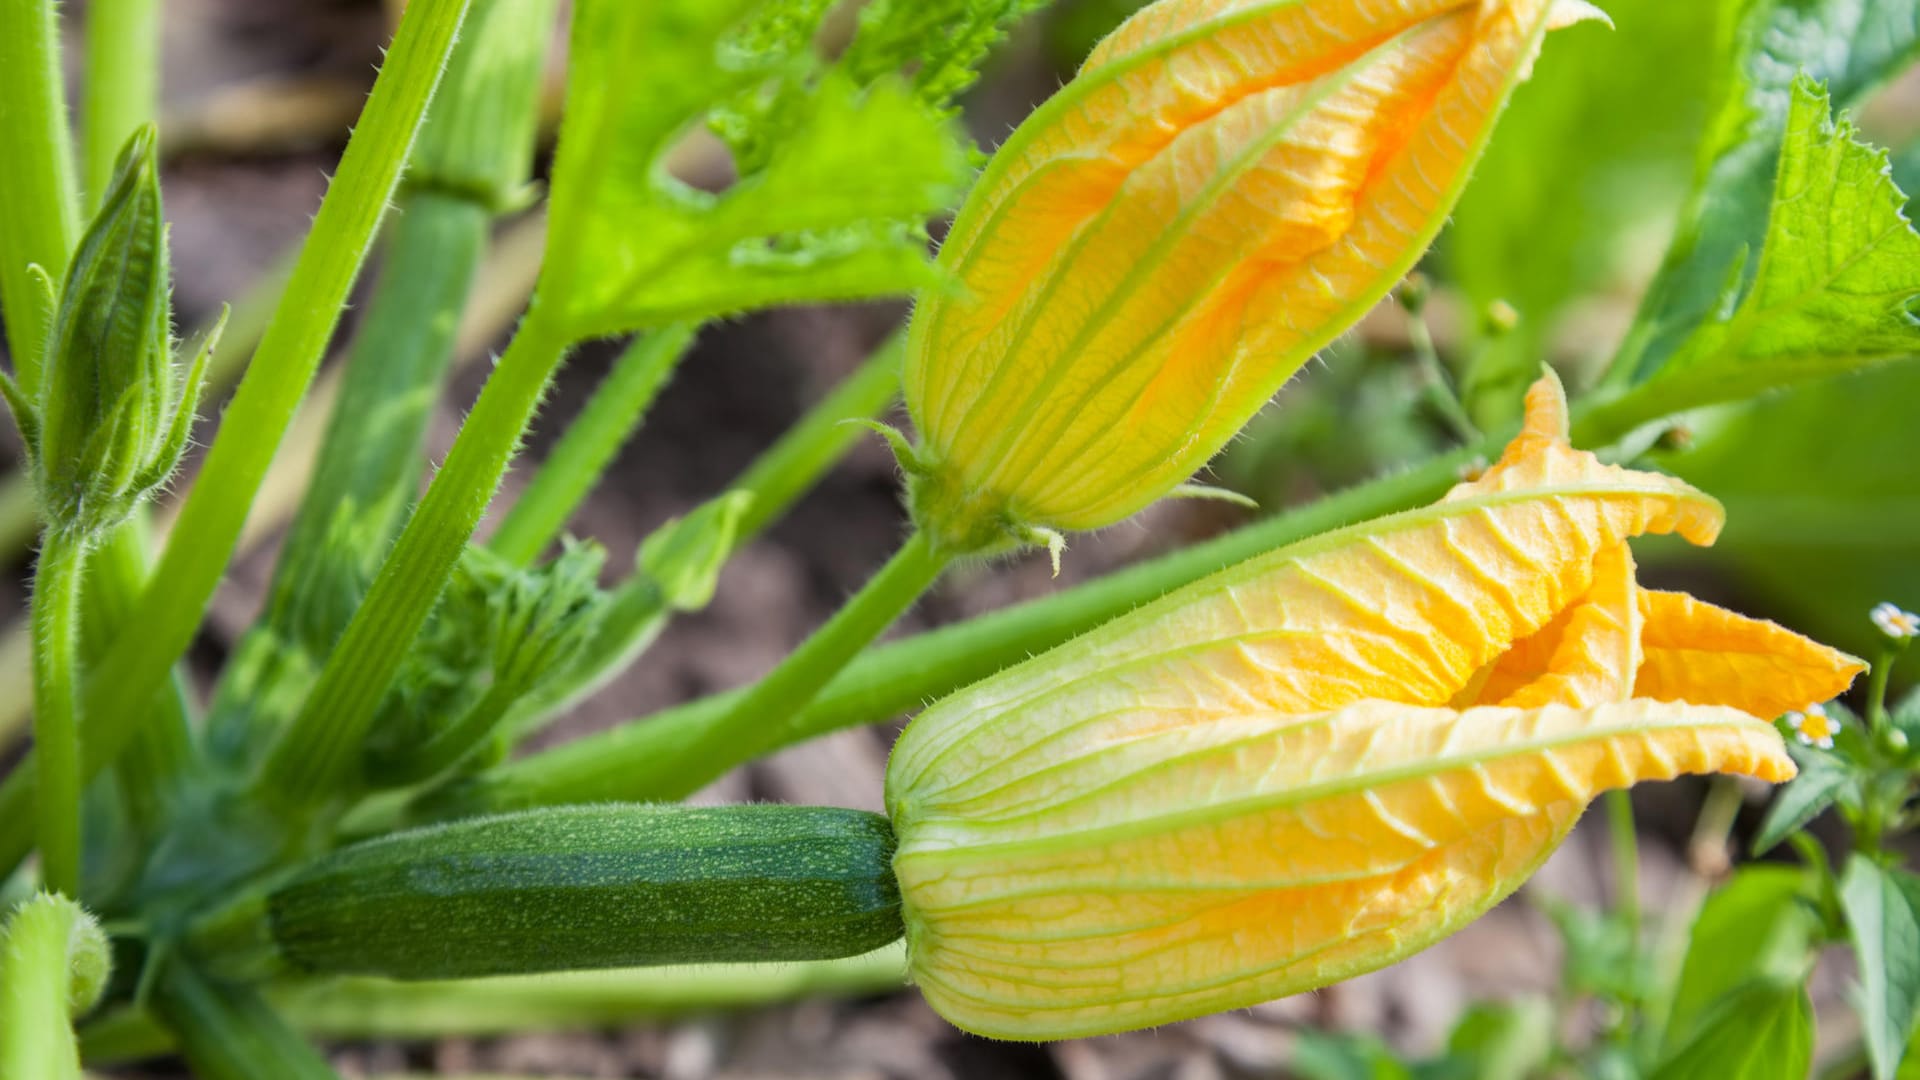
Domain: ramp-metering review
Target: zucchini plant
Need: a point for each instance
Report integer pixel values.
(1260, 764)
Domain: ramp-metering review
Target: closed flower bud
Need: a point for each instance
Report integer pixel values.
(1320, 761)
(112, 415)
(1226, 187)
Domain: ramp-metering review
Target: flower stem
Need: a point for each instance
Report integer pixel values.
(807, 450)
(760, 719)
(319, 754)
(1625, 844)
(1877, 691)
(616, 410)
(171, 607)
(39, 212)
(123, 82)
(56, 708)
(646, 759)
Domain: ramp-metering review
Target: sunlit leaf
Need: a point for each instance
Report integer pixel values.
(1835, 283)
(1851, 46)
(834, 176)
(1758, 927)
(1763, 1031)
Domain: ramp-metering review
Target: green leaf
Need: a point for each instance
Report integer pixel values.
(1504, 1040)
(1836, 280)
(944, 41)
(1763, 1031)
(1318, 1056)
(1850, 45)
(1883, 916)
(1756, 928)
(834, 175)
(1807, 797)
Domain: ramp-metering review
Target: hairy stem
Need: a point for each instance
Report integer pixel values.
(318, 755)
(170, 609)
(569, 473)
(56, 709)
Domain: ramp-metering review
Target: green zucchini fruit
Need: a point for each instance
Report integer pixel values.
(598, 886)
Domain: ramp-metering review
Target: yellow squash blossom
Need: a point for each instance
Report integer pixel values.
(1320, 761)
(1224, 188)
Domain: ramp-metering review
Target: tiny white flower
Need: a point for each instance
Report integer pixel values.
(1814, 727)
(1895, 623)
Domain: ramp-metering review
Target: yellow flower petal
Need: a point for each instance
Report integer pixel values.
(1407, 608)
(1147, 877)
(1706, 655)
(1226, 187)
(1586, 656)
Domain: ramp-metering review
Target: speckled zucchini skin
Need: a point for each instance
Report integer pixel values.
(595, 887)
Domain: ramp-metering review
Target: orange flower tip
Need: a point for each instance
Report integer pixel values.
(1546, 408)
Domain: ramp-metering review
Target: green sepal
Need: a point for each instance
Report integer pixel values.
(173, 445)
(1215, 494)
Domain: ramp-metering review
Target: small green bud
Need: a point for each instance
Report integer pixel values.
(544, 617)
(113, 413)
(684, 557)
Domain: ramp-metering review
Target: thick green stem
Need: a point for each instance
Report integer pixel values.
(319, 754)
(356, 1008)
(575, 465)
(161, 753)
(53, 965)
(171, 608)
(229, 1032)
(56, 708)
(39, 210)
(369, 465)
(123, 82)
(665, 756)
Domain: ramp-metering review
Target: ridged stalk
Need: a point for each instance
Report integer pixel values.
(171, 608)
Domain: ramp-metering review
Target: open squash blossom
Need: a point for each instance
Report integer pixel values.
(1225, 187)
(1320, 761)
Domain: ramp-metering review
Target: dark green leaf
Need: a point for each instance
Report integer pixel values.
(1850, 45)
(1763, 1031)
(1883, 917)
(1807, 797)
(1757, 927)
